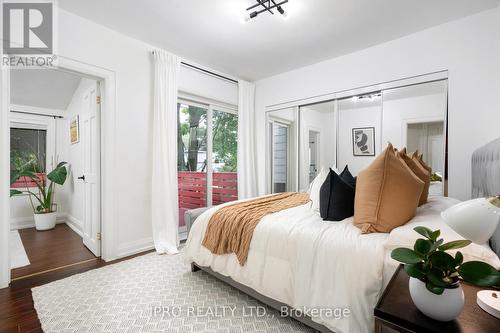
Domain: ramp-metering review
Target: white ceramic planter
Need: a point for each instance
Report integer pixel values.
(45, 221)
(444, 307)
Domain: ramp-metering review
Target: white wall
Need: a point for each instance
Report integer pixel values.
(467, 48)
(409, 105)
(131, 60)
(357, 115)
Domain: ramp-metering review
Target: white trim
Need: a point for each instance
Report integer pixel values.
(205, 101)
(430, 77)
(108, 131)
(210, 153)
(109, 219)
(409, 121)
(130, 248)
(75, 224)
(29, 222)
(35, 109)
(4, 175)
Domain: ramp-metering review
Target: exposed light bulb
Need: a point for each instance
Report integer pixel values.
(355, 98)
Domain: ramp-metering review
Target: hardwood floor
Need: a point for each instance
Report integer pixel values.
(17, 312)
(51, 249)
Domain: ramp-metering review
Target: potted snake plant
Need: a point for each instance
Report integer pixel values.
(41, 199)
(435, 274)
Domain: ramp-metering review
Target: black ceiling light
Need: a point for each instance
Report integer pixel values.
(266, 6)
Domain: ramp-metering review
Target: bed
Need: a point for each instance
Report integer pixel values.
(299, 261)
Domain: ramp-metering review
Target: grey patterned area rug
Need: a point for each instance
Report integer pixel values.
(152, 293)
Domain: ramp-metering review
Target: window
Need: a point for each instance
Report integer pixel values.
(224, 157)
(206, 156)
(28, 151)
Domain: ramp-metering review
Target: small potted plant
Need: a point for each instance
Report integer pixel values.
(42, 202)
(434, 274)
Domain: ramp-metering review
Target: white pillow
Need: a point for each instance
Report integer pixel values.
(429, 215)
(315, 187)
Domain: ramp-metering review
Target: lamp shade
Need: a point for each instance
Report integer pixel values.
(475, 220)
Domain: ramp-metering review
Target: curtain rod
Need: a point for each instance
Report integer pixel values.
(206, 71)
(38, 114)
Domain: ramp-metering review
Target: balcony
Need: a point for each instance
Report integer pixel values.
(192, 190)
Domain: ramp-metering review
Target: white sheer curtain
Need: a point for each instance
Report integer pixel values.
(164, 209)
(247, 167)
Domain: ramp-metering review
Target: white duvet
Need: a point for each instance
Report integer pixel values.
(297, 258)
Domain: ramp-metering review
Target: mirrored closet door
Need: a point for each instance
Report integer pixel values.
(317, 141)
(415, 117)
(353, 129)
(282, 138)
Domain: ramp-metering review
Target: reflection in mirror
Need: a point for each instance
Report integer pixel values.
(317, 141)
(353, 130)
(282, 128)
(414, 117)
(359, 131)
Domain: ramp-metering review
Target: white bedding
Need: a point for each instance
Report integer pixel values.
(297, 258)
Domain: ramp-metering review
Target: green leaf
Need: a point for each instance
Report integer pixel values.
(405, 255)
(454, 245)
(479, 273)
(435, 235)
(415, 270)
(434, 289)
(435, 277)
(426, 232)
(459, 258)
(422, 246)
(442, 261)
(436, 245)
(59, 174)
(15, 192)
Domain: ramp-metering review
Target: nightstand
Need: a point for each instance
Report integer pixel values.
(395, 312)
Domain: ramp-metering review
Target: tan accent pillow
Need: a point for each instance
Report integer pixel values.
(419, 170)
(387, 194)
(420, 159)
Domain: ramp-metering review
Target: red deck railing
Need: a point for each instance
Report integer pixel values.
(24, 182)
(193, 190)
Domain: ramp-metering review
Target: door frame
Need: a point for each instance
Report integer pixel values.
(109, 225)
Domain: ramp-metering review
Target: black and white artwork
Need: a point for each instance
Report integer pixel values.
(363, 141)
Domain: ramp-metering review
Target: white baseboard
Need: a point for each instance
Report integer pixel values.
(29, 222)
(131, 248)
(75, 224)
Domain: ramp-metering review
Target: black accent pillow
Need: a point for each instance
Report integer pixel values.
(336, 198)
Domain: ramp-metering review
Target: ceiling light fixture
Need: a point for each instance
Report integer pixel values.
(371, 97)
(266, 6)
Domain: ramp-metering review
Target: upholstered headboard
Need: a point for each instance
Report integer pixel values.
(486, 178)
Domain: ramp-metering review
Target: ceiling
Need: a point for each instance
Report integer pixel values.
(46, 88)
(214, 34)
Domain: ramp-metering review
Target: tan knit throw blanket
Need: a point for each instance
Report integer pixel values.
(230, 228)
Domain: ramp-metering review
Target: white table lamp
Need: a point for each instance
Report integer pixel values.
(477, 220)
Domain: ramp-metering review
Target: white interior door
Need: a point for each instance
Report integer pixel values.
(91, 170)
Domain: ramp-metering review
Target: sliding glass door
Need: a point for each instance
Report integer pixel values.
(207, 156)
(224, 157)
